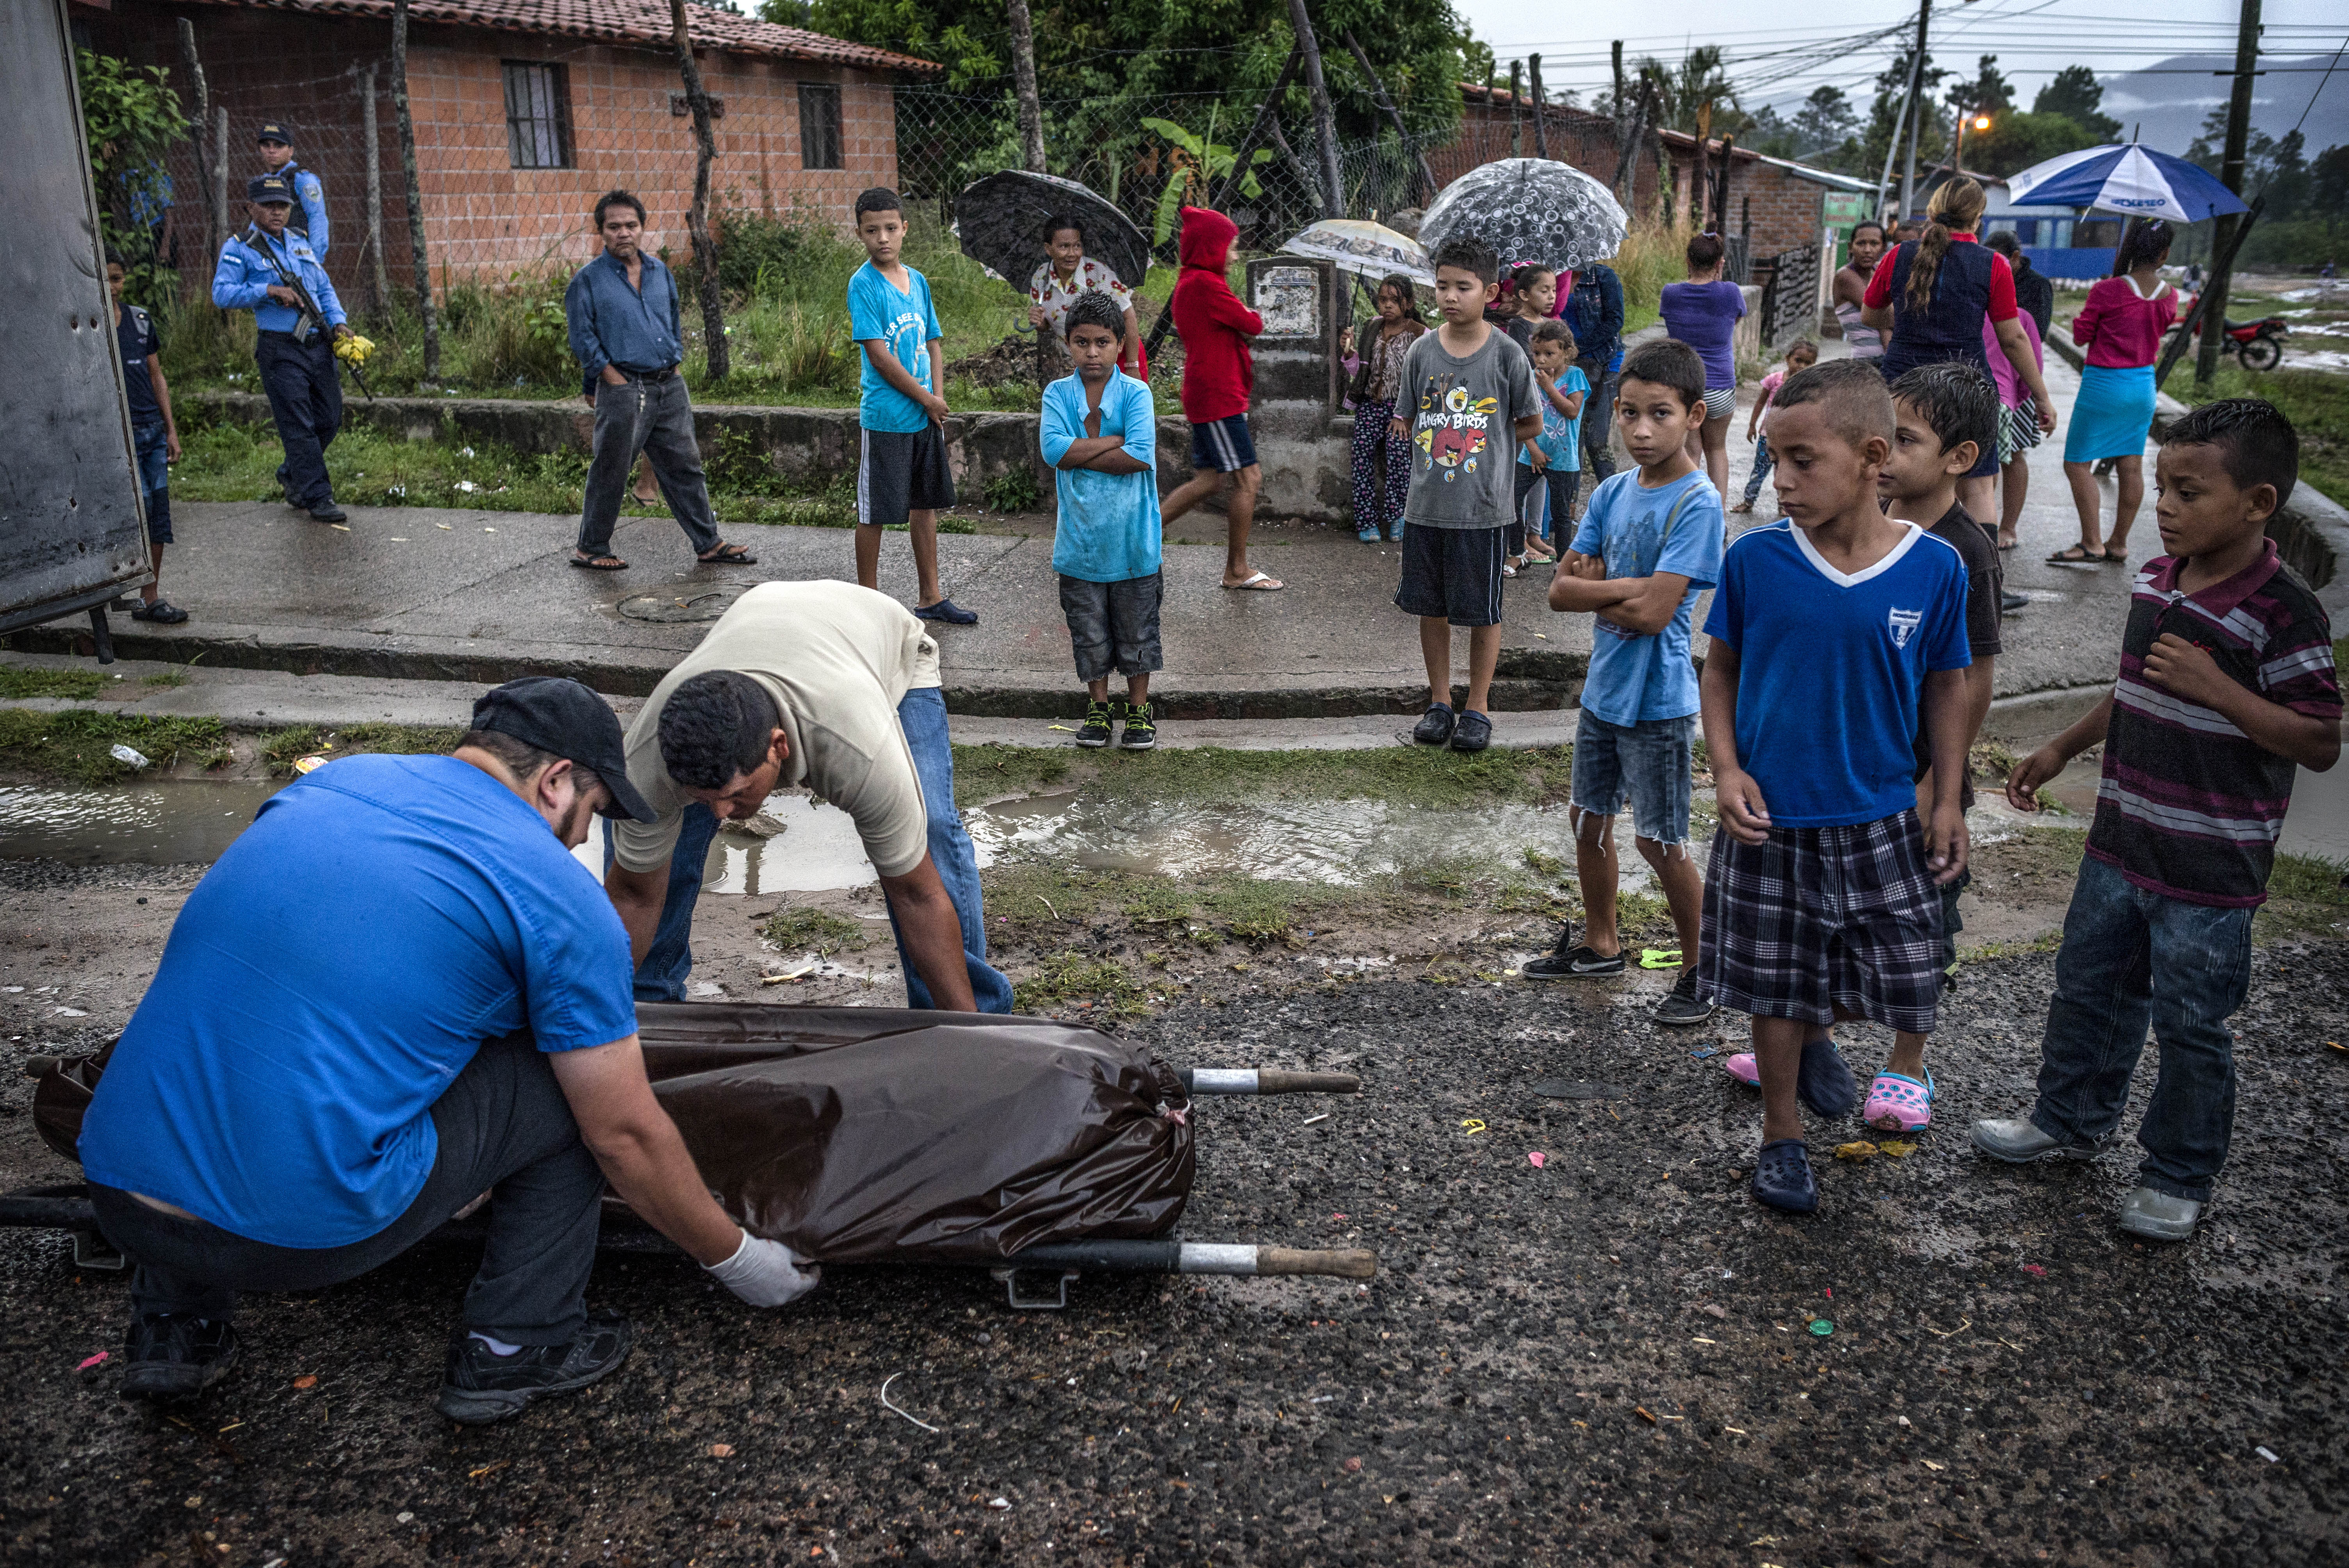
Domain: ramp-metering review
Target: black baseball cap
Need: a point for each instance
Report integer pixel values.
(566, 718)
(268, 188)
(273, 130)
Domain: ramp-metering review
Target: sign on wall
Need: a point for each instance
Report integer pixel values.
(1289, 300)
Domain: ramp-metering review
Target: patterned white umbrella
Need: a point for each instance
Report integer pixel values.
(1528, 209)
(1369, 250)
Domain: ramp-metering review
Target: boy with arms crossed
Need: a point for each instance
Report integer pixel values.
(1651, 541)
(2227, 684)
(1835, 633)
(1467, 398)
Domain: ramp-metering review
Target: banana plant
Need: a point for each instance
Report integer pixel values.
(1193, 163)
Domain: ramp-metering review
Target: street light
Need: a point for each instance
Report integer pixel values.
(1980, 122)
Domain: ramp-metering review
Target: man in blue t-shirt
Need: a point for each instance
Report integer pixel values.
(396, 992)
(1839, 636)
(1649, 544)
(902, 477)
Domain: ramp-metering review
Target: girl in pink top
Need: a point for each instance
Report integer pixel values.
(2018, 428)
(2120, 330)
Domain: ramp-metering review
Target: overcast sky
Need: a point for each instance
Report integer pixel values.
(1781, 50)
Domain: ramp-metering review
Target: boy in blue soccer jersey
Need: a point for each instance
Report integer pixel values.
(1837, 634)
(902, 476)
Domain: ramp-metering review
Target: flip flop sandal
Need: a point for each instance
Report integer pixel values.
(1742, 1068)
(727, 555)
(1258, 583)
(1898, 1103)
(1823, 1081)
(2074, 555)
(1782, 1179)
(598, 563)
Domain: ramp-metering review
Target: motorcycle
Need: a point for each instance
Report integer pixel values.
(2256, 344)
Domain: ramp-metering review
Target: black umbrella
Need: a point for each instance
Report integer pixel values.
(1528, 209)
(1000, 221)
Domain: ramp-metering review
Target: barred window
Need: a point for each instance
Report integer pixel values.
(538, 115)
(819, 125)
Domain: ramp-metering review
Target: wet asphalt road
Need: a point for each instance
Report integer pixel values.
(1607, 1358)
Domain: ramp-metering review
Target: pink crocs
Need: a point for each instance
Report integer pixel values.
(1740, 1067)
(1898, 1103)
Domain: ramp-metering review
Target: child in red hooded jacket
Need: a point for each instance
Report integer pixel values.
(1217, 373)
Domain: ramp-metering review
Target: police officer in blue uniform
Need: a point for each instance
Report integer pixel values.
(309, 218)
(275, 275)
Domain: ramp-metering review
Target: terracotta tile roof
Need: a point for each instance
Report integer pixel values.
(641, 22)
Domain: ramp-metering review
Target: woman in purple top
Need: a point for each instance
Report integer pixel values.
(1703, 313)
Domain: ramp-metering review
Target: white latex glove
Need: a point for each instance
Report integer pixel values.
(764, 1273)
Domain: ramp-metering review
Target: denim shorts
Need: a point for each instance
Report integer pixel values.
(1646, 764)
(154, 479)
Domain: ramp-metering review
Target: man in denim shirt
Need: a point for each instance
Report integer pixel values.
(625, 329)
(1594, 314)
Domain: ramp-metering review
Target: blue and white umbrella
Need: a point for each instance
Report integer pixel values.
(2133, 179)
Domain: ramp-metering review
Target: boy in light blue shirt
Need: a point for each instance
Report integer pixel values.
(902, 477)
(1550, 465)
(1651, 542)
(1099, 433)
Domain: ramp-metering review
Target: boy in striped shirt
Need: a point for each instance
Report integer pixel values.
(2226, 684)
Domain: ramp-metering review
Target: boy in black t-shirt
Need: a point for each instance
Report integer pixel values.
(153, 434)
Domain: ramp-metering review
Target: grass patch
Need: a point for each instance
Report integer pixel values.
(2305, 897)
(284, 748)
(75, 746)
(75, 685)
(1425, 777)
(165, 680)
(2046, 943)
(2315, 401)
(1073, 980)
(814, 931)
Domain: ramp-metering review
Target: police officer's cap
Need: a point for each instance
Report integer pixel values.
(273, 130)
(269, 187)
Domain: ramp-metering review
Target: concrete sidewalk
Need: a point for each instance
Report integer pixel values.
(479, 597)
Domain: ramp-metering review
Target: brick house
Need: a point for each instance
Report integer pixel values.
(525, 111)
(1576, 136)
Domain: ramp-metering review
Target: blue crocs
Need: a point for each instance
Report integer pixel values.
(1781, 1177)
(1823, 1081)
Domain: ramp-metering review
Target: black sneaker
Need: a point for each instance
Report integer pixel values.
(1093, 734)
(1435, 726)
(2009, 600)
(1577, 962)
(1680, 1005)
(327, 511)
(479, 1386)
(171, 1357)
(1473, 733)
(1138, 734)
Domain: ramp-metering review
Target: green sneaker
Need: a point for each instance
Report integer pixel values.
(1140, 734)
(1093, 734)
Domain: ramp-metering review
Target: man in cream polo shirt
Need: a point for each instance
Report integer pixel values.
(830, 686)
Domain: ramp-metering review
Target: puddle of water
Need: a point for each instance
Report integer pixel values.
(175, 823)
(1345, 842)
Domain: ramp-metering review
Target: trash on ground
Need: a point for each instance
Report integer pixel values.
(1822, 1327)
(721, 1450)
(1353, 1465)
(491, 1469)
(1537, 1158)
(1708, 1051)
(123, 754)
(1899, 1148)
(2267, 1455)
(1472, 1126)
(1642, 1409)
(1904, 1421)
(91, 1361)
(1311, 1119)
(308, 764)
(1931, 1466)
(308, 1380)
(907, 1414)
(998, 1503)
(2035, 1271)
(1862, 1151)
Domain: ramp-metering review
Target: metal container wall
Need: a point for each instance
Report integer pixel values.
(71, 530)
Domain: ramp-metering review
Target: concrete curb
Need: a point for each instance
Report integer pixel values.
(2311, 531)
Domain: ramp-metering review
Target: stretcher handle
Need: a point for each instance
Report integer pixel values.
(1348, 1263)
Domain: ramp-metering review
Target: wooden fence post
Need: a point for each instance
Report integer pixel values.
(199, 128)
(380, 276)
(697, 217)
(418, 262)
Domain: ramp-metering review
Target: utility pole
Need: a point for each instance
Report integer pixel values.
(2230, 174)
(1516, 116)
(1916, 109)
(1892, 142)
(1023, 80)
(417, 259)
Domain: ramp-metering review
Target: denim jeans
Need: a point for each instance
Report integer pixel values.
(655, 417)
(503, 1127)
(1599, 426)
(153, 447)
(1762, 463)
(923, 717)
(2132, 958)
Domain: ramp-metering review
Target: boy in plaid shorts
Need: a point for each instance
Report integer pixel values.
(1837, 634)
